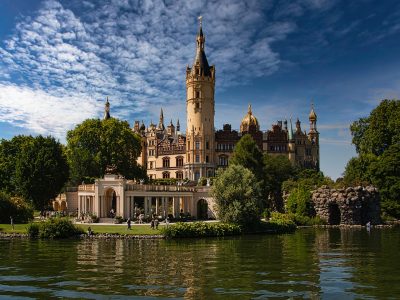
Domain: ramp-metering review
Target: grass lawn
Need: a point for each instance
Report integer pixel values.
(18, 228)
(121, 229)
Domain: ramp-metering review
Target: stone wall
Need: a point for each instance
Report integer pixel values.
(348, 206)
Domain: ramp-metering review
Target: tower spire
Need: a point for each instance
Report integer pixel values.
(107, 110)
(161, 122)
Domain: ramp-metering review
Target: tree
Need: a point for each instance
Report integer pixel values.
(299, 201)
(277, 169)
(377, 140)
(9, 151)
(379, 130)
(95, 144)
(357, 170)
(41, 170)
(385, 174)
(17, 208)
(248, 155)
(238, 196)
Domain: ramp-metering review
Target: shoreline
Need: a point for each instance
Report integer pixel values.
(105, 236)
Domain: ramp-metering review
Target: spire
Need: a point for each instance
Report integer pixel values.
(178, 126)
(313, 119)
(290, 133)
(161, 123)
(200, 64)
(107, 110)
(249, 110)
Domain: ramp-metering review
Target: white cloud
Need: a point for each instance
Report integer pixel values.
(40, 112)
(134, 52)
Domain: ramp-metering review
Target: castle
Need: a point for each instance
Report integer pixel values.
(169, 153)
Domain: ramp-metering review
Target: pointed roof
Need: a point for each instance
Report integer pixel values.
(290, 132)
(107, 110)
(201, 59)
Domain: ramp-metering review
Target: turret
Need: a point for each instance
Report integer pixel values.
(161, 122)
(107, 110)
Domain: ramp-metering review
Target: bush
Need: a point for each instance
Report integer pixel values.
(118, 220)
(200, 229)
(16, 207)
(299, 201)
(54, 228)
(33, 230)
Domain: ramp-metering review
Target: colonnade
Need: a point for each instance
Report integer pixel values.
(86, 204)
(162, 206)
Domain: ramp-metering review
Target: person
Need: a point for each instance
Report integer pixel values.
(156, 223)
(152, 224)
(140, 218)
(129, 223)
(89, 231)
(12, 222)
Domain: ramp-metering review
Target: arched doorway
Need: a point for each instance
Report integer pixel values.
(56, 206)
(110, 203)
(63, 206)
(334, 214)
(202, 209)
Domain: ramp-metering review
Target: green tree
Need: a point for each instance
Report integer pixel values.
(41, 170)
(9, 151)
(299, 201)
(14, 207)
(385, 174)
(357, 170)
(248, 155)
(379, 130)
(94, 144)
(277, 169)
(309, 178)
(377, 138)
(238, 196)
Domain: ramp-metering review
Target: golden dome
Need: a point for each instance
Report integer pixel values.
(312, 116)
(249, 120)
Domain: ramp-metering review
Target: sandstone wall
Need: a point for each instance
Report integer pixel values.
(350, 206)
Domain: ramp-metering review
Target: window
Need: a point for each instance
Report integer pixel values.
(206, 158)
(179, 161)
(165, 175)
(197, 105)
(179, 175)
(165, 162)
(197, 158)
(197, 145)
(197, 95)
(151, 165)
(223, 160)
(207, 145)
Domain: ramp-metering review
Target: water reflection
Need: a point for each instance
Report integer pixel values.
(309, 264)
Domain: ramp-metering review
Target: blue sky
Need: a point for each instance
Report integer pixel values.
(60, 59)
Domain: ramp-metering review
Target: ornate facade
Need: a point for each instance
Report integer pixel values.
(168, 153)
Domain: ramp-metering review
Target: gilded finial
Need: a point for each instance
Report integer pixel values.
(249, 109)
(200, 20)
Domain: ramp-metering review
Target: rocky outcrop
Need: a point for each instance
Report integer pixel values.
(348, 206)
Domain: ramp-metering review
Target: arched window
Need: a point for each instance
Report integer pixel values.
(179, 161)
(165, 162)
(165, 175)
(179, 175)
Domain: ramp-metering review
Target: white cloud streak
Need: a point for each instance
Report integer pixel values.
(61, 62)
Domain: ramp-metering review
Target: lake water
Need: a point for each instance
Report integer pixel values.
(311, 263)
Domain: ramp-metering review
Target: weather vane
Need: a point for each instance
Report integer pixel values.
(200, 19)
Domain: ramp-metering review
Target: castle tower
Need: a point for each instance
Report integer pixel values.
(200, 110)
(313, 136)
(161, 122)
(107, 110)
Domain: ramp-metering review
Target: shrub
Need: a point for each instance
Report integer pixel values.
(33, 230)
(53, 228)
(118, 220)
(299, 201)
(200, 229)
